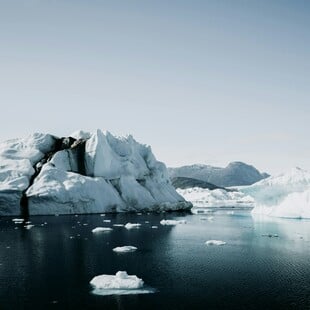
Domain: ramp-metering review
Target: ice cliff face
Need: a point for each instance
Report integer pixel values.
(286, 195)
(84, 173)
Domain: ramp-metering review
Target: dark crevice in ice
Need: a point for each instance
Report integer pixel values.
(66, 143)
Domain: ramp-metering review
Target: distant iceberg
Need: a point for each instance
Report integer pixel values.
(217, 198)
(286, 195)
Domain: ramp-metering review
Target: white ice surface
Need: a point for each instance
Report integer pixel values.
(125, 249)
(132, 225)
(119, 284)
(101, 229)
(286, 195)
(215, 242)
(205, 198)
(121, 175)
(172, 222)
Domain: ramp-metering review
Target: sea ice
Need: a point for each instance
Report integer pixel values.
(132, 225)
(101, 229)
(125, 249)
(215, 242)
(172, 222)
(119, 284)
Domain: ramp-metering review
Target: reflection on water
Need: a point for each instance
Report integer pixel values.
(52, 264)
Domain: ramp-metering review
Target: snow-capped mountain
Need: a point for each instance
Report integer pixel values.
(83, 173)
(235, 174)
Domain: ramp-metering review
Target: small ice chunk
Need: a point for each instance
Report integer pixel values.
(172, 222)
(125, 249)
(154, 227)
(132, 225)
(101, 229)
(102, 214)
(28, 226)
(18, 221)
(118, 225)
(215, 242)
(107, 221)
(121, 281)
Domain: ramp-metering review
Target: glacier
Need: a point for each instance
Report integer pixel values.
(83, 173)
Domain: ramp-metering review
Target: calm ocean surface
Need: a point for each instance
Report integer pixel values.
(50, 266)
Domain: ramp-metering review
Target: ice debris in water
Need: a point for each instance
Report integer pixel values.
(215, 242)
(101, 229)
(132, 225)
(125, 249)
(119, 284)
(172, 222)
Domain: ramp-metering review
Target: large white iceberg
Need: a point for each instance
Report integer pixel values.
(204, 198)
(286, 195)
(119, 284)
(84, 173)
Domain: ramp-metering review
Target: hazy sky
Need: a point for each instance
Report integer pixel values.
(200, 81)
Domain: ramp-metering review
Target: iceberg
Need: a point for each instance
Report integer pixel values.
(218, 198)
(125, 249)
(119, 284)
(286, 195)
(83, 173)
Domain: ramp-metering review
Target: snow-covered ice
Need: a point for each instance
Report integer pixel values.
(125, 249)
(205, 198)
(121, 175)
(286, 195)
(172, 222)
(119, 284)
(101, 229)
(215, 242)
(132, 225)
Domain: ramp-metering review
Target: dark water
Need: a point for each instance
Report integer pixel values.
(43, 268)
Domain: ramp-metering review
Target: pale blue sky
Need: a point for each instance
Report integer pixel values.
(200, 81)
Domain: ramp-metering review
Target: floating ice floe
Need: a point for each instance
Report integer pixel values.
(29, 226)
(172, 222)
(101, 229)
(215, 242)
(119, 284)
(18, 221)
(132, 225)
(154, 227)
(118, 225)
(125, 249)
(107, 221)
